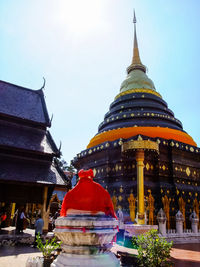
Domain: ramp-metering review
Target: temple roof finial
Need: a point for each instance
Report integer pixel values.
(136, 62)
(134, 17)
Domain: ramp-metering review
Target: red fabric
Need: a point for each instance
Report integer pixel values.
(87, 173)
(3, 217)
(88, 195)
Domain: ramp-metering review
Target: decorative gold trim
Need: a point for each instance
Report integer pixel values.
(138, 90)
(140, 144)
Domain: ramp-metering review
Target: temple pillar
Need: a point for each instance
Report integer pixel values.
(140, 186)
(45, 211)
(139, 146)
(12, 210)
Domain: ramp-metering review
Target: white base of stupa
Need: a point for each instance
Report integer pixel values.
(107, 259)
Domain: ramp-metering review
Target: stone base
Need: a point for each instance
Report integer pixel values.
(136, 229)
(97, 260)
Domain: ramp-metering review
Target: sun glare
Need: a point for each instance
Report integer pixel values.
(81, 16)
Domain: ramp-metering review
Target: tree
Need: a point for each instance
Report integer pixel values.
(63, 165)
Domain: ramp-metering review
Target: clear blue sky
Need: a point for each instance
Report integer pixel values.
(82, 48)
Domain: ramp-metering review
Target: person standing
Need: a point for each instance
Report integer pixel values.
(20, 222)
(39, 224)
(3, 219)
(120, 234)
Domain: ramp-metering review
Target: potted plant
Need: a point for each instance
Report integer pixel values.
(153, 250)
(47, 248)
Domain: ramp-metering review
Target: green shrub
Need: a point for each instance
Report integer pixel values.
(153, 250)
(48, 247)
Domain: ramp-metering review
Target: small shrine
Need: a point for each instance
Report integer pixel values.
(87, 225)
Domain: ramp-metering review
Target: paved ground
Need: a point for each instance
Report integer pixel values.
(185, 255)
(17, 256)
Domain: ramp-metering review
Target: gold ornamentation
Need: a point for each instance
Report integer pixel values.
(191, 149)
(140, 144)
(132, 200)
(120, 198)
(151, 208)
(188, 171)
(94, 171)
(172, 144)
(147, 166)
(166, 207)
(163, 167)
(196, 206)
(121, 189)
(116, 167)
(181, 203)
(107, 169)
(107, 144)
(139, 90)
(120, 142)
(114, 200)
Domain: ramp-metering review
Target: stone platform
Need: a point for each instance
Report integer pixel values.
(136, 229)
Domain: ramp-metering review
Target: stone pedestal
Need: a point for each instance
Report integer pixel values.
(194, 222)
(161, 217)
(86, 241)
(179, 222)
(137, 229)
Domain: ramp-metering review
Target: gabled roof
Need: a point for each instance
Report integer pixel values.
(31, 172)
(23, 103)
(16, 136)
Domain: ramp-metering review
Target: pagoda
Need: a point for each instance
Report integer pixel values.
(142, 154)
(28, 173)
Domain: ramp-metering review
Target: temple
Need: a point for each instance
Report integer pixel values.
(141, 153)
(28, 174)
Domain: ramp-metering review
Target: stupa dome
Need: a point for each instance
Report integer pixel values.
(139, 110)
(137, 79)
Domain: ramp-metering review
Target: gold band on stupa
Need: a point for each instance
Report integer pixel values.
(138, 90)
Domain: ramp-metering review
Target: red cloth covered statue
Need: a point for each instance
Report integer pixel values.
(88, 196)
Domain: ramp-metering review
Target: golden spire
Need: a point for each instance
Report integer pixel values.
(136, 62)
